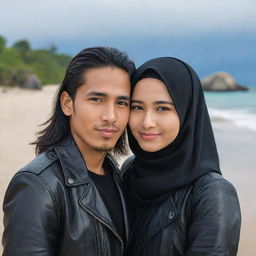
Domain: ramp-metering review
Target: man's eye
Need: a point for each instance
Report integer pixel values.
(96, 99)
(123, 103)
(136, 107)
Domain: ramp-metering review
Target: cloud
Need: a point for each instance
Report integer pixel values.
(80, 19)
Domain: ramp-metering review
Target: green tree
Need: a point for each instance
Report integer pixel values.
(53, 49)
(2, 43)
(17, 62)
(22, 45)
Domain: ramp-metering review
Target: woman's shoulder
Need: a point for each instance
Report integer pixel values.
(214, 185)
(214, 216)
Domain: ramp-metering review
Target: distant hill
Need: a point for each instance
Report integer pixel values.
(19, 61)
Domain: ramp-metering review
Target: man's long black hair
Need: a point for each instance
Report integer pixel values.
(58, 127)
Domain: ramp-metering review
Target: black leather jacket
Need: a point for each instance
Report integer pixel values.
(200, 219)
(53, 208)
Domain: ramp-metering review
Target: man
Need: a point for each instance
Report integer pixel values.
(68, 200)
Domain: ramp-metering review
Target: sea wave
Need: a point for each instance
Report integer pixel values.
(242, 118)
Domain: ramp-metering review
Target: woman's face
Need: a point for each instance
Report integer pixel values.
(154, 121)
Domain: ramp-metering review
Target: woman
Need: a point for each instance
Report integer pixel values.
(180, 203)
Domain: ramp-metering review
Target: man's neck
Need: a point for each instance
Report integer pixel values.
(94, 162)
(93, 159)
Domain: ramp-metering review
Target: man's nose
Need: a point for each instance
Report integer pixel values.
(109, 113)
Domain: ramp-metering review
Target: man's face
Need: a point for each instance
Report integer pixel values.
(100, 110)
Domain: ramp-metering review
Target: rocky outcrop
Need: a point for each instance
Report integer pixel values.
(32, 82)
(222, 82)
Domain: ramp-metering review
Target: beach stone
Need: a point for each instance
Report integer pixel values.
(222, 82)
(33, 83)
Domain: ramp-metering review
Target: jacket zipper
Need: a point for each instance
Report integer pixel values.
(104, 223)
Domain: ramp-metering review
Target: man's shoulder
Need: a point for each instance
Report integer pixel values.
(40, 163)
(126, 166)
(113, 164)
(43, 172)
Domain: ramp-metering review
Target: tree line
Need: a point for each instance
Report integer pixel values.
(19, 61)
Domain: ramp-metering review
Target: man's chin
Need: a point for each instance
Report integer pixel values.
(104, 149)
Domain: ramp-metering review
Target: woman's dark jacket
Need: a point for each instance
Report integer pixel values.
(52, 208)
(200, 219)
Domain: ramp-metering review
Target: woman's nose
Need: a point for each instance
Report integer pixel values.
(149, 121)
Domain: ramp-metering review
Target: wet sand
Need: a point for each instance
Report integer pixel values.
(237, 152)
(21, 111)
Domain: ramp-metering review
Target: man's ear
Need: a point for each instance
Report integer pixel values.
(66, 104)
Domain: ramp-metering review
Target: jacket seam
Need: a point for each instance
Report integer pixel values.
(37, 171)
(97, 235)
(54, 202)
(199, 189)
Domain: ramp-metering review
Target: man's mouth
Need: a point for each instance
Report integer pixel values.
(107, 133)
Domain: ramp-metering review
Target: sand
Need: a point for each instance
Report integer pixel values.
(21, 111)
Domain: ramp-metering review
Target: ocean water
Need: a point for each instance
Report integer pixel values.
(238, 107)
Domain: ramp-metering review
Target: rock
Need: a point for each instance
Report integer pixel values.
(222, 82)
(3, 89)
(33, 83)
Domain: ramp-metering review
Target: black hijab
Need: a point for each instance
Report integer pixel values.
(193, 153)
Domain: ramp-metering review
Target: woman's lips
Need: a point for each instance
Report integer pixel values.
(149, 136)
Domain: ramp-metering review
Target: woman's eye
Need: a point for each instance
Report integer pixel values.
(163, 109)
(135, 107)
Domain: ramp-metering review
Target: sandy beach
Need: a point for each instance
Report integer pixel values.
(21, 111)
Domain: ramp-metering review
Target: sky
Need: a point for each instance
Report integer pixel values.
(79, 19)
(204, 32)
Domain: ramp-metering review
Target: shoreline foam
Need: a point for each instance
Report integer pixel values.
(241, 118)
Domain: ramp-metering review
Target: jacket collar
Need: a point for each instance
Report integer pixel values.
(72, 163)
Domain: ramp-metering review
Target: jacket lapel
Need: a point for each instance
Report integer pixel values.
(92, 202)
(75, 174)
(152, 222)
(72, 163)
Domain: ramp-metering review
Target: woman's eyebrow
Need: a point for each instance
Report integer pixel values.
(159, 102)
(137, 101)
(163, 102)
